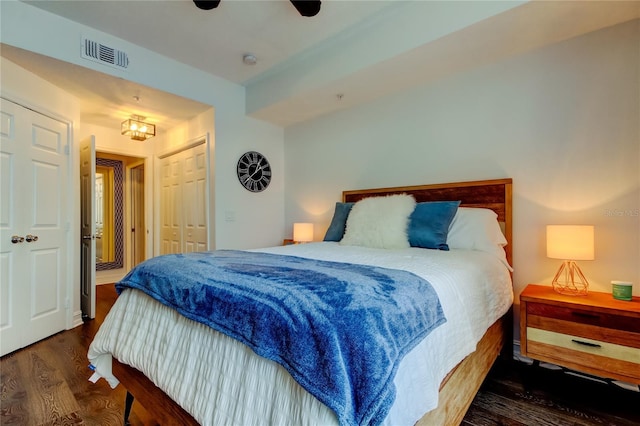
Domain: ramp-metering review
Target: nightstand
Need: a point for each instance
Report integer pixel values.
(595, 334)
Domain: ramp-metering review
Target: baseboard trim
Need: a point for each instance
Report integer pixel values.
(77, 319)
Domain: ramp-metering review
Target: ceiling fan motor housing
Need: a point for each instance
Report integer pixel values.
(304, 7)
(206, 4)
(307, 7)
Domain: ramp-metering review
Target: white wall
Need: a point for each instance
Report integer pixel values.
(562, 121)
(245, 219)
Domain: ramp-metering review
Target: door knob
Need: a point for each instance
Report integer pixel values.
(15, 239)
(31, 238)
(87, 237)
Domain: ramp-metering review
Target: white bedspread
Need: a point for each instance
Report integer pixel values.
(221, 381)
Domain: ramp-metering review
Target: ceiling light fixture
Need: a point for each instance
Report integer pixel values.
(137, 129)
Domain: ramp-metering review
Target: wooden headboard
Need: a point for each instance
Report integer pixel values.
(491, 194)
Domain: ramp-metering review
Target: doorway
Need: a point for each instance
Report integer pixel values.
(113, 209)
(121, 227)
(109, 213)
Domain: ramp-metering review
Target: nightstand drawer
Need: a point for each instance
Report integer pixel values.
(581, 344)
(583, 316)
(588, 331)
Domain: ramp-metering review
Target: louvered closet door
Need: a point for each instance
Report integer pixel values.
(34, 216)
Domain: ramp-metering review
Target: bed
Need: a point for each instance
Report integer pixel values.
(444, 400)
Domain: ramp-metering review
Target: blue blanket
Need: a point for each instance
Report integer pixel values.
(339, 329)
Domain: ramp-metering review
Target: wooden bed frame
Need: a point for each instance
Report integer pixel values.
(461, 384)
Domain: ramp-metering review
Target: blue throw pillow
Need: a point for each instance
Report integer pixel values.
(338, 223)
(429, 224)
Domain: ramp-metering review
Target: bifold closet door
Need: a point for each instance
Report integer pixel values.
(183, 210)
(194, 193)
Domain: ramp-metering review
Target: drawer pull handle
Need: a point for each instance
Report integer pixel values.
(591, 345)
(585, 315)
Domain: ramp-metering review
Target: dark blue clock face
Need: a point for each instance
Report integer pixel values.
(254, 171)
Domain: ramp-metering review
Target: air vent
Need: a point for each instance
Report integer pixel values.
(98, 52)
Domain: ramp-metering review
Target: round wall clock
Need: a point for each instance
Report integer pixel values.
(254, 171)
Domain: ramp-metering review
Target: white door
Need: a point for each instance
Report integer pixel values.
(183, 201)
(194, 200)
(170, 207)
(88, 227)
(34, 225)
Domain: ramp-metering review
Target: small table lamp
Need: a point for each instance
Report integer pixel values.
(302, 232)
(570, 243)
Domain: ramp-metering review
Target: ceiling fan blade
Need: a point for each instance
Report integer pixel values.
(206, 4)
(307, 7)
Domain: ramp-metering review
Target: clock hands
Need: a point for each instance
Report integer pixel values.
(250, 176)
(256, 171)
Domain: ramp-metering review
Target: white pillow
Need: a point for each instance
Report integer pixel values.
(477, 229)
(380, 222)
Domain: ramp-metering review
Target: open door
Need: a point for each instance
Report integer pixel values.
(138, 227)
(88, 227)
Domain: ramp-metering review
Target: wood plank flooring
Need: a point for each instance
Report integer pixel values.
(517, 394)
(47, 384)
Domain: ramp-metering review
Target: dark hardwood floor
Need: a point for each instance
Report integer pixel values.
(47, 384)
(516, 393)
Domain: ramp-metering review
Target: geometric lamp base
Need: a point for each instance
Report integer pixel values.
(569, 280)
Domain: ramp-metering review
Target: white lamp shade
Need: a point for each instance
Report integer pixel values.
(302, 232)
(570, 242)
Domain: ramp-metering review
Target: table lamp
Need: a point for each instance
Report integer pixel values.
(302, 232)
(570, 243)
